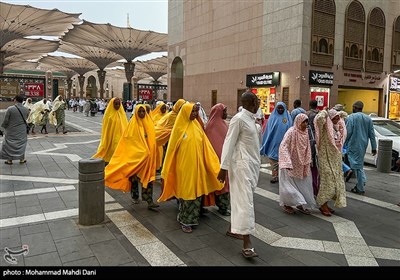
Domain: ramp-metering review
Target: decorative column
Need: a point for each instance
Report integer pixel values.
(135, 88)
(129, 70)
(49, 85)
(2, 59)
(69, 84)
(81, 79)
(102, 77)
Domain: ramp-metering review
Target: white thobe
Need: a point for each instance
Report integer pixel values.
(241, 157)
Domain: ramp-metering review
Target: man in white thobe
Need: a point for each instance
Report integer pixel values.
(241, 158)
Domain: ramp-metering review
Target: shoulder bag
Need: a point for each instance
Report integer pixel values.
(27, 126)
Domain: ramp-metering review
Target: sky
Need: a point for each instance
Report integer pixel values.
(143, 14)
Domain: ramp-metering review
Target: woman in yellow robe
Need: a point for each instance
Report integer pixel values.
(159, 112)
(114, 125)
(134, 157)
(190, 167)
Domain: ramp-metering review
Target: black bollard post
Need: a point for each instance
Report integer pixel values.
(91, 191)
(384, 162)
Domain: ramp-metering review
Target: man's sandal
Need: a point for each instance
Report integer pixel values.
(249, 253)
(9, 162)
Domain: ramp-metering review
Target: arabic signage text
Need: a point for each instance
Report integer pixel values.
(264, 79)
(394, 84)
(320, 78)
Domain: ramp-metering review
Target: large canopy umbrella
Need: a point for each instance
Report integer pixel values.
(155, 68)
(79, 65)
(19, 21)
(127, 42)
(26, 49)
(100, 57)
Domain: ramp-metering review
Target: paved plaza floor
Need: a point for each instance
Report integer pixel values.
(39, 212)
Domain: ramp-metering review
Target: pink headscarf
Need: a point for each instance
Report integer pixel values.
(216, 131)
(216, 128)
(295, 150)
(336, 133)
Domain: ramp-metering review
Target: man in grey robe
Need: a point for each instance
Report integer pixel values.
(359, 130)
(241, 159)
(15, 136)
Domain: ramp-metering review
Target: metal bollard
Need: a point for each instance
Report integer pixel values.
(384, 162)
(91, 191)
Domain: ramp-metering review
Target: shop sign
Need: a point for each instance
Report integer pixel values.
(9, 89)
(320, 78)
(394, 84)
(264, 79)
(146, 94)
(33, 89)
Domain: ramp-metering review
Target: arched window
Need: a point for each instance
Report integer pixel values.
(323, 46)
(376, 40)
(354, 51)
(347, 52)
(369, 56)
(323, 30)
(354, 35)
(396, 45)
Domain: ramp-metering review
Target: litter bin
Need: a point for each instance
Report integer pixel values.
(91, 191)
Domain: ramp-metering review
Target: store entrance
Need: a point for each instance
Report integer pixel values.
(370, 98)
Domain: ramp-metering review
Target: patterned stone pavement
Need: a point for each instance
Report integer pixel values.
(39, 211)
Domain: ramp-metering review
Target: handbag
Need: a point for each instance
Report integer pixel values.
(27, 126)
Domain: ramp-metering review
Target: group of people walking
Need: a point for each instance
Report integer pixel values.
(22, 117)
(205, 162)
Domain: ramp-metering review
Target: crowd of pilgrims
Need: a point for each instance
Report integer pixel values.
(185, 146)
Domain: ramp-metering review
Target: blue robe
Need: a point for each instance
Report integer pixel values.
(277, 126)
(359, 129)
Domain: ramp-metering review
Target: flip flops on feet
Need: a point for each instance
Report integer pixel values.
(249, 253)
(187, 229)
(22, 161)
(9, 162)
(234, 235)
(288, 209)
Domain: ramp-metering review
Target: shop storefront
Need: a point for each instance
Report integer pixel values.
(320, 83)
(264, 86)
(394, 98)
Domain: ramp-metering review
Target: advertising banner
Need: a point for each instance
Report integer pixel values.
(146, 94)
(322, 98)
(34, 90)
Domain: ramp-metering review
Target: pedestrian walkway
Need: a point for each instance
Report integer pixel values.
(39, 218)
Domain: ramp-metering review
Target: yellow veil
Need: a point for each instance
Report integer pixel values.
(165, 124)
(114, 125)
(134, 155)
(191, 165)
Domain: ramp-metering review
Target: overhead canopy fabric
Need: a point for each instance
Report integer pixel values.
(18, 21)
(127, 42)
(99, 56)
(79, 65)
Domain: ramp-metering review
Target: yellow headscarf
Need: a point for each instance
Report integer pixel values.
(114, 125)
(191, 165)
(166, 123)
(157, 114)
(134, 155)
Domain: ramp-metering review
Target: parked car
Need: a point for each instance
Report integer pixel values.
(385, 129)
